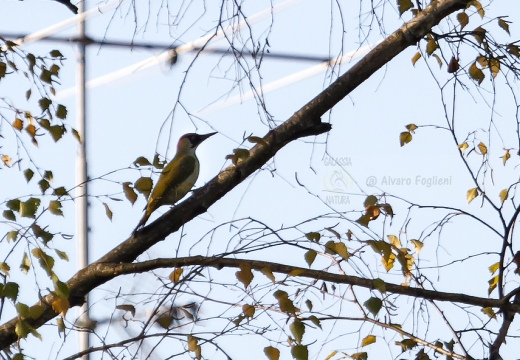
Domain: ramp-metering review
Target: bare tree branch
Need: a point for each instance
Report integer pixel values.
(305, 122)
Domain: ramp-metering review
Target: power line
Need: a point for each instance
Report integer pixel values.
(149, 46)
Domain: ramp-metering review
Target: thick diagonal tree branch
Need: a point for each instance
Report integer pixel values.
(304, 122)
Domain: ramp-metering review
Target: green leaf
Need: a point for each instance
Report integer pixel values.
(56, 54)
(297, 329)
(40, 233)
(3, 69)
(60, 191)
(55, 207)
(62, 255)
(404, 5)
(61, 289)
(28, 174)
(308, 303)
(315, 320)
(55, 69)
(14, 205)
(108, 212)
(61, 112)
(406, 344)
(300, 352)
(57, 132)
(370, 200)
(489, 312)
(144, 186)
(141, 161)
(44, 185)
(46, 76)
(46, 261)
(310, 256)
(245, 275)
(9, 290)
(129, 192)
(127, 308)
(31, 59)
(380, 285)
(286, 304)
(9, 215)
(28, 208)
(272, 353)
(22, 310)
(248, 310)
(373, 305)
(44, 103)
(36, 311)
(4, 268)
(313, 236)
(25, 265)
(268, 273)
(12, 235)
(22, 329)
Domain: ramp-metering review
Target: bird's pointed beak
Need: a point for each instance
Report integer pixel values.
(200, 138)
(205, 136)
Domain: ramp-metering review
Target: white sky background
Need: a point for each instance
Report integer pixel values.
(125, 117)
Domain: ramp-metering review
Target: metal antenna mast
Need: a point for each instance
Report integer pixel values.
(81, 172)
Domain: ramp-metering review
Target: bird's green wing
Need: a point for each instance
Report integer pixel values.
(177, 179)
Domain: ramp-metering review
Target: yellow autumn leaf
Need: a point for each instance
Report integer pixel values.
(504, 25)
(370, 339)
(493, 268)
(472, 194)
(503, 195)
(418, 245)
(267, 272)
(463, 146)
(489, 312)
(494, 65)
(394, 240)
(175, 275)
(411, 127)
(505, 157)
(416, 57)
(439, 60)
(431, 46)
(405, 137)
(463, 19)
(476, 73)
(478, 7)
(483, 148)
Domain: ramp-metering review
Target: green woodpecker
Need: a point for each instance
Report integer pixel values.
(178, 177)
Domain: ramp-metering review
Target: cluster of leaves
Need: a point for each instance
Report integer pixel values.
(42, 73)
(491, 56)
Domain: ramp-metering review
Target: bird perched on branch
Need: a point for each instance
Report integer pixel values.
(178, 177)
